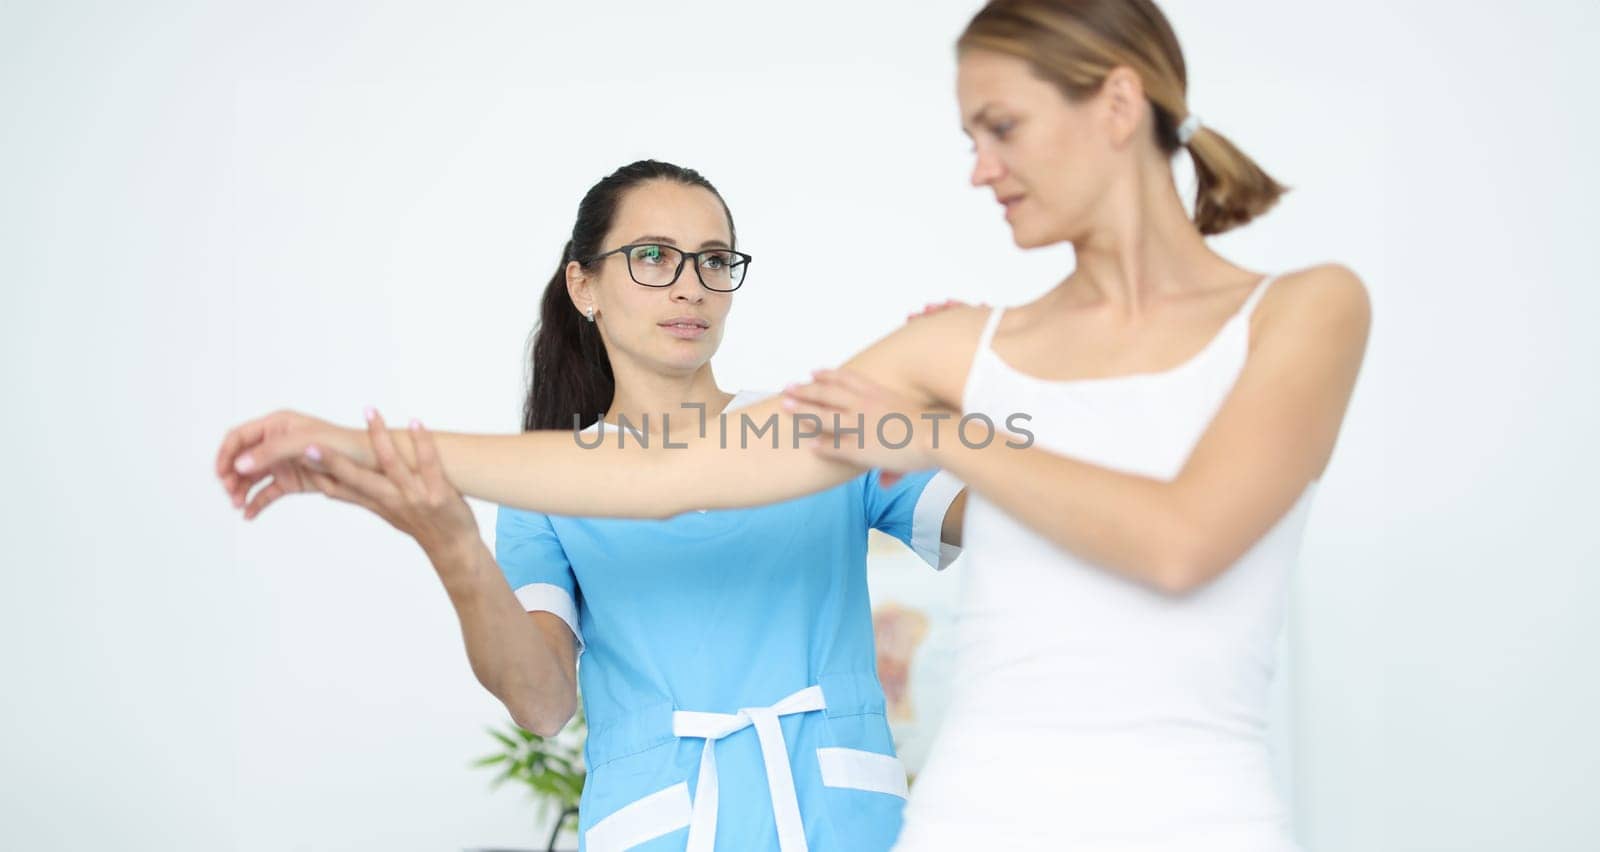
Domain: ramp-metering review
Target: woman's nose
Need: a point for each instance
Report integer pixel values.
(687, 288)
(985, 168)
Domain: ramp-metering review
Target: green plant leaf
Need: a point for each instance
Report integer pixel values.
(547, 767)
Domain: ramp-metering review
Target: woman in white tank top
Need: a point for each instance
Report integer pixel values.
(1121, 716)
(1105, 699)
(1129, 542)
(1126, 575)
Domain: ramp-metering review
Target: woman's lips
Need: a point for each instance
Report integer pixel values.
(685, 330)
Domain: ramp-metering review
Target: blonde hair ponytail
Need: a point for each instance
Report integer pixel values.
(1075, 44)
(1232, 188)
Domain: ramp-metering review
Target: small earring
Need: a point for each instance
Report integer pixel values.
(591, 314)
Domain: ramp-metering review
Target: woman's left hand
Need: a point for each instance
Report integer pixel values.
(897, 435)
(415, 499)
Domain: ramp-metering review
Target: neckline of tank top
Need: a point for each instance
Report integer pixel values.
(1146, 375)
(741, 399)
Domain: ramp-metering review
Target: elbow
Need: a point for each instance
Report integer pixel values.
(1178, 579)
(545, 719)
(546, 728)
(544, 711)
(1184, 570)
(1183, 553)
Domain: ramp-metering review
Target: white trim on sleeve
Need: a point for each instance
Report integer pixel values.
(548, 597)
(927, 520)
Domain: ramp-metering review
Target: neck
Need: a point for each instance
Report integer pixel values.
(641, 391)
(1144, 248)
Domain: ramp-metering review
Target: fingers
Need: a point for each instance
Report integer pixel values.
(824, 411)
(334, 490)
(286, 479)
(935, 307)
(264, 498)
(838, 390)
(261, 457)
(285, 459)
(240, 486)
(389, 459)
(819, 394)
(851, 381)
(363, 483)
(833, 393)
(239, 440)
(239, 437)
(236, 488)
(428, 466)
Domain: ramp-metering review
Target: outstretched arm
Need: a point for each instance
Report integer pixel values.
(551, 472)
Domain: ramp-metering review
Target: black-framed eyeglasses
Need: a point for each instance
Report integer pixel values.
(657, 265)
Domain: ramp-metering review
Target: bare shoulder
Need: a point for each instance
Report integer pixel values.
(1324, 300)
(929, 355)
(960, 324)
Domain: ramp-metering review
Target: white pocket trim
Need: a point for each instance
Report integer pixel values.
(646, 819)
(862, 770)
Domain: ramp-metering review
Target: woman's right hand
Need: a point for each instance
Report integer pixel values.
(238, 472)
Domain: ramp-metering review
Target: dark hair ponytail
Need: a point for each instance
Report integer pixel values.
(569, 371)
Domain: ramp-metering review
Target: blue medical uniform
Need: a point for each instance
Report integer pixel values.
(727, 665)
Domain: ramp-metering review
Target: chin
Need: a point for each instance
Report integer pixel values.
(1033, 236)
(685, 361)
(1026, 239)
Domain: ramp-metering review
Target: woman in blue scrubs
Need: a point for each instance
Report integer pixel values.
(728, 669)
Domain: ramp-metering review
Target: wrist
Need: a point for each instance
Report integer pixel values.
(358, 446)
(455, 555)
(351, 443)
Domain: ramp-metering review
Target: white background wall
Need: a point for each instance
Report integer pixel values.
(211, 210)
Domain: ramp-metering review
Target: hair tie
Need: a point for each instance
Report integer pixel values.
(1188, 128)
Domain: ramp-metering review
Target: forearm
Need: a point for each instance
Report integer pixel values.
(551, 472)
(1125, 523)
(523, 667)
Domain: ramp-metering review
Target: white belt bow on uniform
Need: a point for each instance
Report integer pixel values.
(774, 754)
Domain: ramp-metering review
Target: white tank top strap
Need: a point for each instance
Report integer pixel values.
(1255, 295)
(989, 327)
(984, 340)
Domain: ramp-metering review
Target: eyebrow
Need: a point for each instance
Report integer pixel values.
(975, 118)
(657, 238)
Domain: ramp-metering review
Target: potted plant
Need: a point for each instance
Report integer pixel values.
(551, 767)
